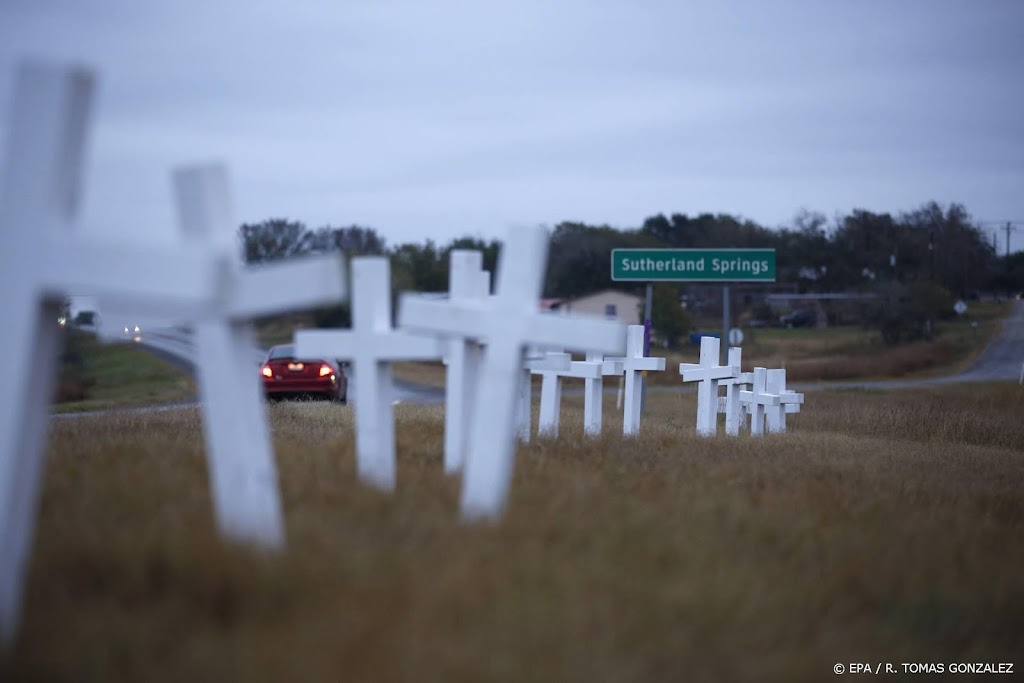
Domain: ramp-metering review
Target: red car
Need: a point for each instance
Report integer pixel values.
(285, 375)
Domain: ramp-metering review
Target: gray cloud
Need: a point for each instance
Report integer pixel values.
(435, 119)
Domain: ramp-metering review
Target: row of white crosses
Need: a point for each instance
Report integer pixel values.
(556, 366)
(199, 281)
(768, 399)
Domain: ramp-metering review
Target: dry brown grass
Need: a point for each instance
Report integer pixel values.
(883, 527)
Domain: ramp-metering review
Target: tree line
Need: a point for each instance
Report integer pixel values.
(936, 251)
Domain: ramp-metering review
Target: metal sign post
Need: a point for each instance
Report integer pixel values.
(648, 305)
(725, 322)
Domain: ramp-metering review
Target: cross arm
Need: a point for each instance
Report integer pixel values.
(181, 282)
(446, 318)
(741, 378)
(591, 334)
(550, 362)
(612, 367)
(581, 369)
(302, 283)
(791, 397)
(692, 372)
(763, 399)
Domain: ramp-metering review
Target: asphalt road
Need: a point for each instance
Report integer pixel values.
(175, 345)
(1000, 361)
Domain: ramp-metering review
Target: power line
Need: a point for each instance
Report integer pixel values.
(1007, 226)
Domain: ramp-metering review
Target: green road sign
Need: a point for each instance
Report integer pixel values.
(694, 265)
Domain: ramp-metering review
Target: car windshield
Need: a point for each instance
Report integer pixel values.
(282, 352)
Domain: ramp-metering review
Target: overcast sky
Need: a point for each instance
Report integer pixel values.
(437, 119)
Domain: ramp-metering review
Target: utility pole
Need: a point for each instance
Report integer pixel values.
(1009, 227)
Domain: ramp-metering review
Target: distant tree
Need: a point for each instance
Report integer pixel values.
(668, 317)
(275, 239)
(956, 253)
(579, 258)
(353, 241)
(419, 268)
(1008, 275)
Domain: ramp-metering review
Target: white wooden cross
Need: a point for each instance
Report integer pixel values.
(634, 363)
(507, 323)
(757, 399)
(551, 390)
(536, 362)
(708, 372)
(593, 392)
(789, 401)
(43, 261)
(730, 403)
(372, 345)
(243, 472)
(551, 393)
(467, 280)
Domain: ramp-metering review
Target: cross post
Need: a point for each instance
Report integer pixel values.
(593, 392)
(546, 363)
(466, 281)
(730, 403)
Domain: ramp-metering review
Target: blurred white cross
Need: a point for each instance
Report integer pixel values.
(372, 344)
(467, 280)
(43, 261)
(507, 323)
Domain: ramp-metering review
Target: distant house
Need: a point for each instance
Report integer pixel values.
(607, 303)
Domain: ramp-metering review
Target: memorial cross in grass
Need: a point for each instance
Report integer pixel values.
(551, 391)
(730, 403)
(372, 344)
(593, 392)
(44, 261)
(467, 280)
(757, 400)
(708, 372)
(507, 323)
(634, 363)
(789, 401)
(534, 363)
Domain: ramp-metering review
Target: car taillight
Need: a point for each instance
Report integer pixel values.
(326, 370)
(266, 371)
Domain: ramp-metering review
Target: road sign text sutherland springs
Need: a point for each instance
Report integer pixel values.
(707, 265)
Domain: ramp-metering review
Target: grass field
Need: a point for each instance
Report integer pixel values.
(885, 527)
(834, 353)
(126, 376)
